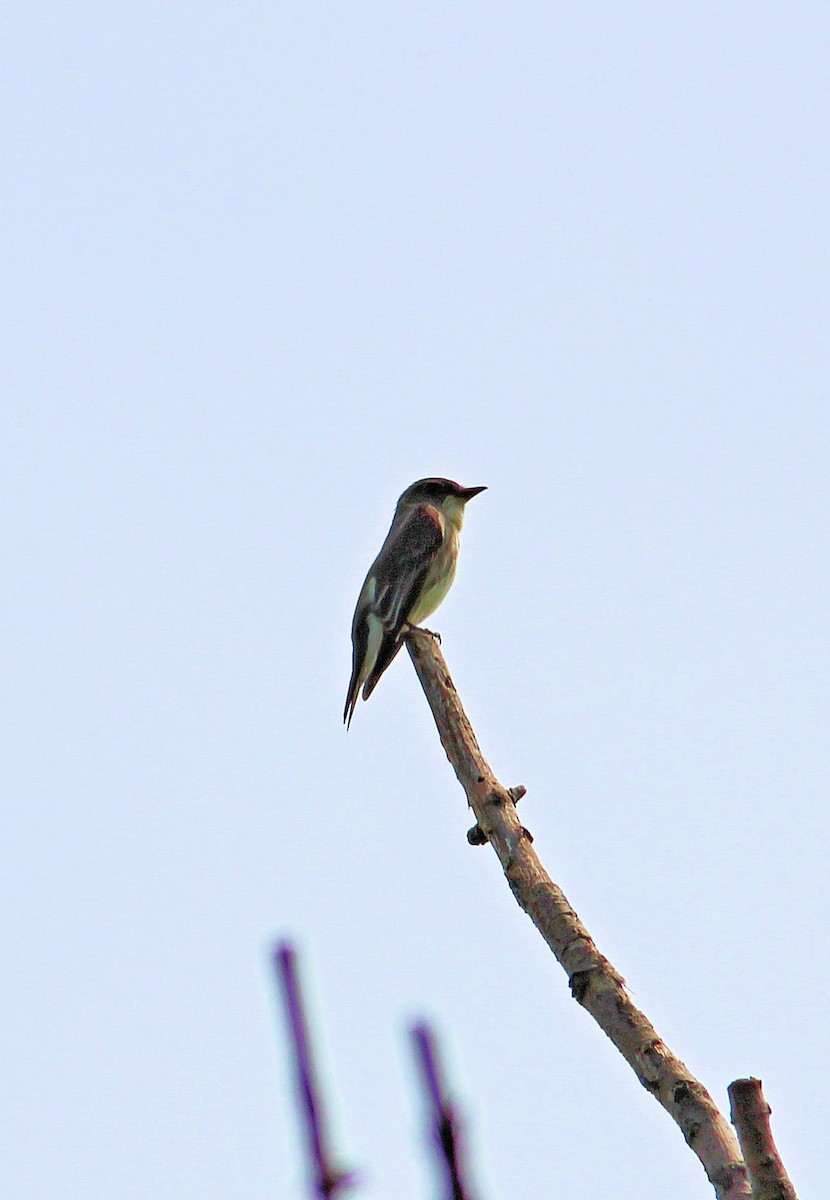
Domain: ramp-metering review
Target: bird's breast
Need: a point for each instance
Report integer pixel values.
(438, 581)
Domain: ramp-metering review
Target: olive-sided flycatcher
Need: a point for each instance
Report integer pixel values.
(408, 579)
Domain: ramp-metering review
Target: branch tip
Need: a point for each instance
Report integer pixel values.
(750, 1116)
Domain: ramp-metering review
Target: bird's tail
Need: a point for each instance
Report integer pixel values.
(351, 695)
(388, 649)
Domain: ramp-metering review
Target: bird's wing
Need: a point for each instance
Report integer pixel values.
(400, 571)
(402, 565)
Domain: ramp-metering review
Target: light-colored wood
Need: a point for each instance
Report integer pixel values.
(750, 1116)
(594, 982)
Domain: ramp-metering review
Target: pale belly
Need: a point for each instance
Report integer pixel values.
(439, 583)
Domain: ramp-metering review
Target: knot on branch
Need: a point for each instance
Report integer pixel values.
(476, 836)
(579, 982)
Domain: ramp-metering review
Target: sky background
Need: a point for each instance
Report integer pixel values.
(266, 264)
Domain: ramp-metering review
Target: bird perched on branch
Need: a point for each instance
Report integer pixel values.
(408, 579)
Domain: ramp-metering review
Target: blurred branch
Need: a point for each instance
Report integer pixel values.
(444, 1120)
(750, 1116)
(594, 982)
(326, 1180)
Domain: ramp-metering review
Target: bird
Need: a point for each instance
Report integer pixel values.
(408, 580)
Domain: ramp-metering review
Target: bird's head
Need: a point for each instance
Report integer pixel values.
(443, 494)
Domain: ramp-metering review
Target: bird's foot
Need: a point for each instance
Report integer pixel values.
(432, 633)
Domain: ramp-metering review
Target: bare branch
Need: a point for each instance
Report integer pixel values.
(750, 1116)
(594, 982)
(326, 1181)
(444, 1119)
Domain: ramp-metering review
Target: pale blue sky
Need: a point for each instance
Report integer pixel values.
(266, 264)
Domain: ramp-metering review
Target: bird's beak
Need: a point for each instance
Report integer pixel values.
(468, 493)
